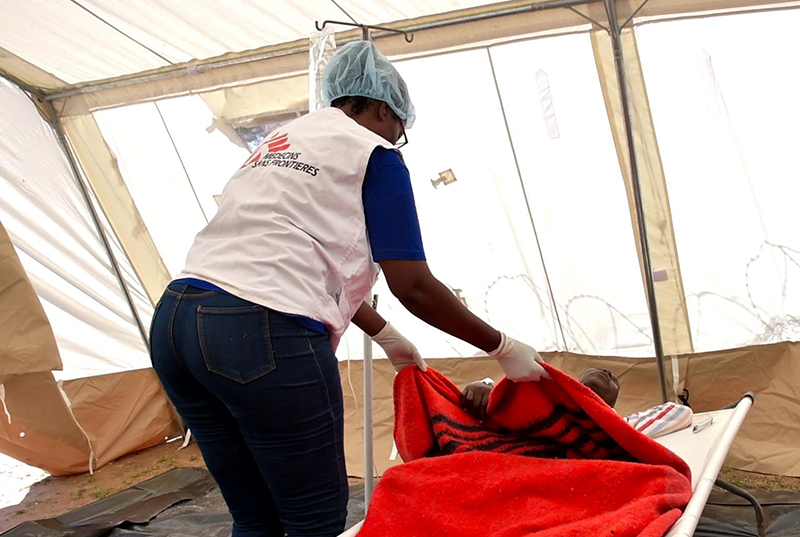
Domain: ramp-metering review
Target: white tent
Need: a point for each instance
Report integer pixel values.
(540, 233)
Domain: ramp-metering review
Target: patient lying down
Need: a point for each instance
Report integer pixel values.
(654, 422)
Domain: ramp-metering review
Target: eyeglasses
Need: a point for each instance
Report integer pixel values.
(402, 144)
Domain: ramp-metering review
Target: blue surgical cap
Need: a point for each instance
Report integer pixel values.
(359, 69)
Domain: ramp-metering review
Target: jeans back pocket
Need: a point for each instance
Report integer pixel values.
(235, 342)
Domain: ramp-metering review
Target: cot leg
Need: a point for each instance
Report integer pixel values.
(733, 489)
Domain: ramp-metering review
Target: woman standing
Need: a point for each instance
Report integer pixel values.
(243, 341)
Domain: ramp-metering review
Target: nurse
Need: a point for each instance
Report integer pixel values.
(244, 339)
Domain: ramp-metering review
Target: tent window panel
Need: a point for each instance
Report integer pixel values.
(155, 177)
(726, 112)
(576, 192)
(208, 155)
(56, 239)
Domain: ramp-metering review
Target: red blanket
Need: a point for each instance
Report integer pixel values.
(552, 459)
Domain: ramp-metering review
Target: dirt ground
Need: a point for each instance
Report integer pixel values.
(29, 494)
(754, 482)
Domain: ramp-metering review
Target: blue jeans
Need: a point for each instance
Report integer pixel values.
(263, 398)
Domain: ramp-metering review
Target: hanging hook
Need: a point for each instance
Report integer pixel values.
(408, 36)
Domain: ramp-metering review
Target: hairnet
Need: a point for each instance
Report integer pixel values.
(359, 69)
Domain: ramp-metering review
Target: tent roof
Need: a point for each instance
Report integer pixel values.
(83, 40)
(77, 46)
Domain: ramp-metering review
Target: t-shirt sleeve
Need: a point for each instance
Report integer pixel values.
(391, 214)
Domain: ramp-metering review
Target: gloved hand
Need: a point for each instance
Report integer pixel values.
(400, 351)
(519, 361)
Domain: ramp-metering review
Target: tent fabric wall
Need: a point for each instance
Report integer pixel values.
(107, 416)
(271, 97)
(265, 71)
(42, 431)
(291, 59)
(505, 283)
(167, 37)
(122, 413)
(767, 442)
(136, 291)
(64, 422)
(153, 174)
(27, 344)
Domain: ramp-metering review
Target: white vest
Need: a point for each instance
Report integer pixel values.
(290, 232)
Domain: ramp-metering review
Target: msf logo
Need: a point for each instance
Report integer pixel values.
(275, 144)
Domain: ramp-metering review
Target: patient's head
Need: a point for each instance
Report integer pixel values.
(603, 383)
(475, 396)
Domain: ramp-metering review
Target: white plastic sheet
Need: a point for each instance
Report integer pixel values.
(320, 52)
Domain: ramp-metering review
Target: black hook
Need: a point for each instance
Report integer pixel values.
(408, 36)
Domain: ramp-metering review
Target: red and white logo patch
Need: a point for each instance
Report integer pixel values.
(275, 144)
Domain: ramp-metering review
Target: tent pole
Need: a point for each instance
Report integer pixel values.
(195, 68)
(369, 463)
(62, 139)
(616, 38)
(556, 316)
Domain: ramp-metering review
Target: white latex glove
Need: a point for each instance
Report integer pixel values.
(400, 351)
(520, 362)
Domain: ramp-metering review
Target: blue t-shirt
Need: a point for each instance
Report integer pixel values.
(391, 215)
(392, 222)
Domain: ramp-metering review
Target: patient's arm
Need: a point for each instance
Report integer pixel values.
(475, 397)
